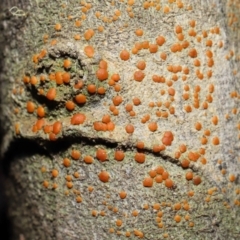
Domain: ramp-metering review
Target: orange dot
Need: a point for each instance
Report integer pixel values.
(81, 99)
(30, 107)
(189, 176)
(178, 29)
(177, 206)
(138, 76)
(57, 127)
(58, 27)
(101, 155)
(117, 100)
(129, 128)
(171, 91)
(47, 128)
(103, 64)
(182, 148)
(122, 194)
(88, 159)
(167, 138)
(165, 175)
(169, 183)
(153, 48)
(78, 118)
(139, 32)
(104, 176)
(66, 77)
(140, 157)
(119, 222)
(46, 184)
(67, 63)
(198, 126)
(51, 94)
(88, 34)
(101, 90)
(158, 179)
(192, 53)
(70, 105)
(160, 40)
(140, 145)
(33, 80)
(141, 65)
(185, 163)
(54, 173)
(152, 173)
(215, 141)
(75, 154)
(66, 162)
(152, 126)
(89, 51)
(136, 101)
(197, 180)
(119, 155)
(102, 74)
(232, 178)
(91, 88)
(215, 120)
(124, 55)
(39, 124)
(177, 218)
(163, 56)
(148, 182)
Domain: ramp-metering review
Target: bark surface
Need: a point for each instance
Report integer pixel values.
(170, 140)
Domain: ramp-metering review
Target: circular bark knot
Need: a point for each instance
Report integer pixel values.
(125, 97)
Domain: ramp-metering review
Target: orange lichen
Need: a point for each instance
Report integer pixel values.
(140, 157)
(75, 154)
(104, 176)
(189, 175)
(152, 126)
(70, 105)
(169, 183)
(129, 128)
(167, 138)
(148, 182)
(192, 53)
(54, 173)
(215, 141)
(78, 118)
(139, 32)
(177, 218)
(124, 55)
(232, 177)
(196, 180)
(138, 76)
(88, 159)
(102, 74)
(89, 51)
(51, 94)
(66, 162)
(101, 155)
(30, 107)
(119, 155)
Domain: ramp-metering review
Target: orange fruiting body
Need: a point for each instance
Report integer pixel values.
(104, 176)
(124, 55)
(101, 155)
(148, 182)
(119, 155)
(78, 118)
(140, 157)
(102, 74)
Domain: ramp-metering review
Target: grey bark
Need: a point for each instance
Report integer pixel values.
(39, 212)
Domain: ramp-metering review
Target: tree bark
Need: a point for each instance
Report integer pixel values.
(75, 89)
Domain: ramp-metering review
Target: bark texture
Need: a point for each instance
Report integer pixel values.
(172, 141)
